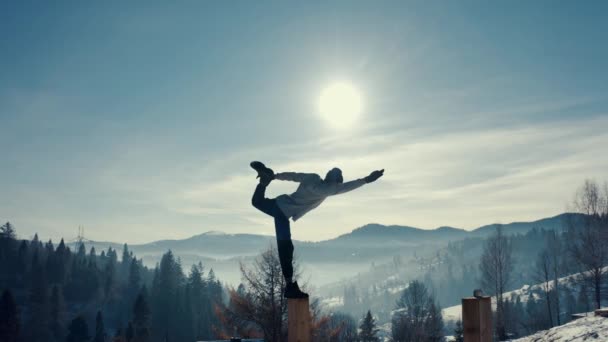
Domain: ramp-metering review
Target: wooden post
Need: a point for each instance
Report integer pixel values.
(601, 312)
(477, 319)
(298, 320)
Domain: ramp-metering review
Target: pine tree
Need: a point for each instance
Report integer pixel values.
(368, 329)
(434, 323)
(134, 281)
(22, 255)
(125, 262)
(569, 303)
(214, 296)
(141, 317)
(60, 260)
(184, 331)
(100, 335)
(78, 330)
(48, 248)
(35, 244)
(197, 301)
(83, 281)
(7, 231)
(109, 274)
(534, 321)
(9, 318)
(118, 334)
(93, 256)
(215, 288)
(170, 279)
(134, 275)
(459, 332)
(8, 246)
(57, 314)
(82, 252)
(38, 325)
(130, 334)
(519, 316)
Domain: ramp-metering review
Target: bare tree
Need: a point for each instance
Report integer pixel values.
(258, 308)
(496, 266)
(549, 267)
(555, 250)
(543, 275)
(589, 236)
(259, 305)
(417, 316)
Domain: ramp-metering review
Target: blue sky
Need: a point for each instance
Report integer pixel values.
(138, 120)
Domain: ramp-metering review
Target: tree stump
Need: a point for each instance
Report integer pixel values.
(298, 320)
(477, 319)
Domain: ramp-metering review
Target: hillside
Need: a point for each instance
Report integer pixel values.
(454, 313)
(589, 328)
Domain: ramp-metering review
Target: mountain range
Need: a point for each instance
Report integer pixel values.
(218, 244)
(369, 243)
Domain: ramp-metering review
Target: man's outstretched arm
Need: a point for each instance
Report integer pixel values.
(294, 176)
(352, 185)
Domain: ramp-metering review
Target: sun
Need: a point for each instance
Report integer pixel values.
(340, 104)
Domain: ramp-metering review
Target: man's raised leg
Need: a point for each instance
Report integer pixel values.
(260, 202)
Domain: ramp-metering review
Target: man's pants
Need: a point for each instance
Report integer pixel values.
(281, 226)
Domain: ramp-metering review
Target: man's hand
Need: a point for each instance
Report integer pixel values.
(374, 176)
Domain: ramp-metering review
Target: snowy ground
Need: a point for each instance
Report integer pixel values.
(583, 329)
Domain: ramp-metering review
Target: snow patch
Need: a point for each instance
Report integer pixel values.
(589, 328)
(214, 233)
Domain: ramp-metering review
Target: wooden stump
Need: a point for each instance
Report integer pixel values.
(477, 319)
(298, 317)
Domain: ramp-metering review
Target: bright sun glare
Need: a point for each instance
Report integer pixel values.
(340, 104)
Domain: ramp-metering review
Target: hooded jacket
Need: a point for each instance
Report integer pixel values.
(312, 191)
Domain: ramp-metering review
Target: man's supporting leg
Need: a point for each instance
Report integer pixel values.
(285, 248)
(284, 245)
(283, 233)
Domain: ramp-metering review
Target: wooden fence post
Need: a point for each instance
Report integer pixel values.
(477, 319)
(298, 320)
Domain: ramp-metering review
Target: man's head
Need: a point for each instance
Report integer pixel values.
(334, 176)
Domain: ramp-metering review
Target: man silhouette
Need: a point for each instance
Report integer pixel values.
(311, 192)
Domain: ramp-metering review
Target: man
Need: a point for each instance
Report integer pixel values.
(311, 192)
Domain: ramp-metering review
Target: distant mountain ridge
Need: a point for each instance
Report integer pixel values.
(379, 233)
(555, 222)
(351, 252)
(220, 244)
(374, 232)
